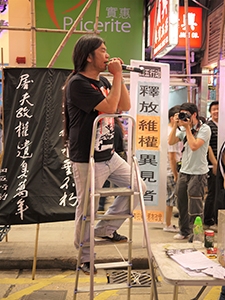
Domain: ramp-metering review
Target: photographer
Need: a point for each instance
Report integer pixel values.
(192, 178)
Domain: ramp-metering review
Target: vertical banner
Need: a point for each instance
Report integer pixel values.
(149, 97)
(36, 182)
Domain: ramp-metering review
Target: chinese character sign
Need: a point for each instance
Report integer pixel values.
(149, 106)
(36, 182)
(149, 168)
(162, 26)
(194, 24)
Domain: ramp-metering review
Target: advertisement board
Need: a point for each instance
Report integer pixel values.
(120, 24)
(195, 27)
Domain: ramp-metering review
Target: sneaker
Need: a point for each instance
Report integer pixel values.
(171, 228)
(85, 267)
(191, 237)
(180, 237)
(116, 238)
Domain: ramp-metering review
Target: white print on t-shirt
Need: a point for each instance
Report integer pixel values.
(105, 135)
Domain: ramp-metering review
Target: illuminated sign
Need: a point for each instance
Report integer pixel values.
(166, 34)
(195, 27)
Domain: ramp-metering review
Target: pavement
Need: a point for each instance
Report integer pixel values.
(56, 250)
(56, 261)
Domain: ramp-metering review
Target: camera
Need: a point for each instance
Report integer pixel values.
(183, 116)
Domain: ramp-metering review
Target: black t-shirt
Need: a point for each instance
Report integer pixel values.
(83, 95)
(213, 139)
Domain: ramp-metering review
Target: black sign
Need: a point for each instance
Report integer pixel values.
(36, 182)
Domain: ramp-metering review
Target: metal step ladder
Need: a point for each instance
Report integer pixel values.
(94, 195)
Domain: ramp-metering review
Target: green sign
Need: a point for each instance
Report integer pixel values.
(120, 24)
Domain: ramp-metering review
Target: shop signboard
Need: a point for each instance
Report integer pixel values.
(166, 34)
(120, 24)
(194, 23)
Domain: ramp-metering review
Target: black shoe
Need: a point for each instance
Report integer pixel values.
(190, 239)
(116, 238)
(85, 267)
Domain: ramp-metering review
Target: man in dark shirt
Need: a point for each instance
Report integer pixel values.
(209, 209)
(86, 95)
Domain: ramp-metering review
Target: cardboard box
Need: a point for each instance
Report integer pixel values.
(221, 237)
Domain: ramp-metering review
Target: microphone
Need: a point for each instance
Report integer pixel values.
(133, 69)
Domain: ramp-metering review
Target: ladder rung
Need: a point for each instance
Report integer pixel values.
(112, 265)
(110, 217)
(124, 191)
(106, 287)
(100, 242)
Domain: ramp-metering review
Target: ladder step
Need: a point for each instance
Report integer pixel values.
(112, 265)
(106, 287)
(110, 217)
(103, 242)
(124, 191)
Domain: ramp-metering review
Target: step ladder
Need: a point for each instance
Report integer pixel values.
(93, 195)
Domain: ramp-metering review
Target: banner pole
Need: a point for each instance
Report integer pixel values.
(33, 35)
(2, 108)
(188, 69)
(97, 16)
(35, 252)
(64, 41)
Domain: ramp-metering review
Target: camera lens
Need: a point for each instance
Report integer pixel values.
(182, 116)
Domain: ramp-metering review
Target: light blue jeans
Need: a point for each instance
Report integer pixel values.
(117, 170)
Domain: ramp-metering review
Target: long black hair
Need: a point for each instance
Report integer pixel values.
(85, 45)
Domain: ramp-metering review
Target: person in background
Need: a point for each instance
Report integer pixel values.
(210, 216)
(119, 148)
(173, 157)
(220, 192)
(192, 178)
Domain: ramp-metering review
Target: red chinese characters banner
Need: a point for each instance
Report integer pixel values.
(162, 27)
(194, 23)
(36, 182)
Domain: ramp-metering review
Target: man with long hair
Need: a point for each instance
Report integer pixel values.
(86, 95)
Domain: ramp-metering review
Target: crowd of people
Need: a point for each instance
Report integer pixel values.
(195, 186)
(192, 165)
(199, 187)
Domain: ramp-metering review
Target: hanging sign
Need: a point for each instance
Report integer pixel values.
(194, 24)
(166, 34)
(149, 93)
